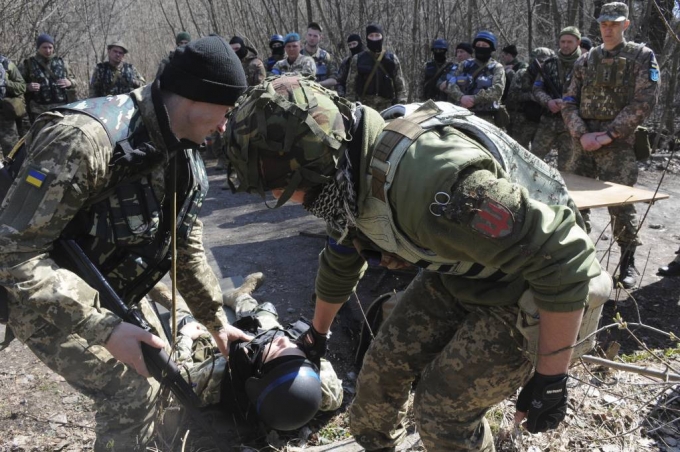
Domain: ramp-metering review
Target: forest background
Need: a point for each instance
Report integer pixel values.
(82, 28)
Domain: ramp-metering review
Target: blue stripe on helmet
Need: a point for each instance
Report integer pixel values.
(304, 372)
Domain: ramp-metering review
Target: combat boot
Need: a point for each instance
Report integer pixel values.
(627, 271)
(250, 283)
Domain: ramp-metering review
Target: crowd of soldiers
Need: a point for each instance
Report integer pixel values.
(509, 277)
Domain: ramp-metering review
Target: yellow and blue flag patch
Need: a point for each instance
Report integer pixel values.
(36, 178)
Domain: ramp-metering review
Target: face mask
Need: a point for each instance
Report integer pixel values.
(374, 46)
(357, 49)
(439, 56)
(483, 53)
(277, 50)
(242, 52)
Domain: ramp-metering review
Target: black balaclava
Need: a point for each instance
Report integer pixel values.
(277, 50)
(439, 55)
(242, 51)
(374, 46)
(359, 47)
(483, 54)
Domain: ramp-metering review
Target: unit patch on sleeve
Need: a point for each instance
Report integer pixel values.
(493, 220)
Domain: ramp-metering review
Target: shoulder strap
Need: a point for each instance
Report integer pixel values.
(46, 69)
(372, 74)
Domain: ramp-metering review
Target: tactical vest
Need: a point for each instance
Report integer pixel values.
(470, 85)
(382, 83)
(271, 61)
(112, 82)
(50, 92)
(609, 83)
(126, 230)
(321, 66)
(4, 67)
(431, 89)
(376, 222)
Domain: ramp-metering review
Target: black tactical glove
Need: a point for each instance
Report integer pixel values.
(126, 155)
(314, 344)
(545, 398)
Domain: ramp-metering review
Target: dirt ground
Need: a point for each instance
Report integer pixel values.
(40, 412)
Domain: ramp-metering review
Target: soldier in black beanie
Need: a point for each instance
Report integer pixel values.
(117, 151)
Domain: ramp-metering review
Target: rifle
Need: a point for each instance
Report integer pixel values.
(548, 83)
(69, 255)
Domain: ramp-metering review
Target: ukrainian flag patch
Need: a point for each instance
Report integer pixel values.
(36, 178)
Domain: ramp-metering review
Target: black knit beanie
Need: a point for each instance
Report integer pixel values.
(511, 50)
(465, 46)
(205, 70)
(374, 28)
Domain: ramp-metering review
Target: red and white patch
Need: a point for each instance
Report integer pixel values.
(493, 220)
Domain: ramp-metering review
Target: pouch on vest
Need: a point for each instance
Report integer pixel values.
(528, 321)
(642, 147)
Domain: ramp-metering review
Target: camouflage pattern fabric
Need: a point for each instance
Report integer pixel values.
(519, 93)
(303, 65)
(15, 87)
(469, 360)
(68, 161)
(552, 134)
(46, 72)
(485, 99)
(107, 80)
(253, 67)
(374, 101)
(325, 66)
(429, 80)
(635, 89)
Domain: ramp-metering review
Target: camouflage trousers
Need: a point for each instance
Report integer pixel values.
(469, 359)
(376, 102)
(8, 135)
(125, 402)
(552, 134)
(614, 163)
(521, 129)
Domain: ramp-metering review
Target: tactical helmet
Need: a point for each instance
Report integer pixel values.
(288, 394)
(275, 39)
(486, 36)
(288, 132)
(541, 54)
(440, 44)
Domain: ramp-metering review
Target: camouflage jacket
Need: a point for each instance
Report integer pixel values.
(68, 165)
(303, 65)
(486, 97)
(528, 243)
(341, 76)
(325, 67)
(360, 67)
(107, 80)
(46, 72)
(14, 83)
(559, 73)
(630, 94)
(253, 67)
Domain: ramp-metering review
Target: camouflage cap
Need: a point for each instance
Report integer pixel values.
(571, 30)
(288, 132)
(117, 44)
(541, 53)
(613, 12)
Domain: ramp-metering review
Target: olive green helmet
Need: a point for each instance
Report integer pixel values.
(541, 53)
(286, 133)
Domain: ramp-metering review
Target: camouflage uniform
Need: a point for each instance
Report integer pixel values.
(612, 91)
(206, 373)
(387, 85)
(552, 132)
(52, 310)
(108, 80)
(38, 69)
(325, 67)
(15, 86)
(430, 79)
(487, 98)
(302, 65)
(523, 125)
(253, 67)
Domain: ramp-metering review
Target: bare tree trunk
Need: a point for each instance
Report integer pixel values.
(310, 14)
(193, 19)
(167, 20)
(594, 26)
(179, 15)
(530, 20)
(414, 49)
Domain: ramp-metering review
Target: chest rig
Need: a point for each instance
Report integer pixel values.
(376, 221)
(321, 66)
(126, 230)
(609, 82)
(115, 81)
(475, 78)
(375, 76)
(47, 75)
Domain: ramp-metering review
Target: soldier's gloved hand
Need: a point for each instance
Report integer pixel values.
(126, 155)
(545, 398)
(314, 344)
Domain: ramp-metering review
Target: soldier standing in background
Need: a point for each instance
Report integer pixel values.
(613, 90)
(183, 38)
(115, 76)
(278, 54)
(252, 64)
(511, 65)
(48, 80)
(374, 77)
(294, 62)
(586, 44)
(325, 67)
(552, 77)
(433, 71)
(12, 89)
(478, 83)
(525, 112)
(355, 47)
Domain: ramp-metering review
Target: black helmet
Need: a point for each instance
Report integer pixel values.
(288, 394)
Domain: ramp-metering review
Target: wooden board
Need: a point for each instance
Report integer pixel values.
(590, 193)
